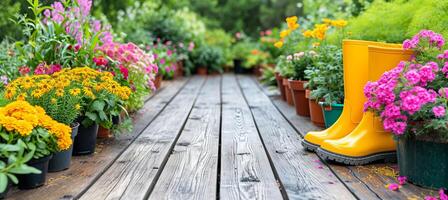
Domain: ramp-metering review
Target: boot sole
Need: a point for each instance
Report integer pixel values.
(309, 146)
(388, 157)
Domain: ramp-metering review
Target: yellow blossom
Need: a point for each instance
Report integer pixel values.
(75, 92)
(278, 44)
(284, 33)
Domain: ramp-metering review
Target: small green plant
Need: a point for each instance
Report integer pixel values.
(268, 76)
(300, 62)
(210, 57)
(326, 75)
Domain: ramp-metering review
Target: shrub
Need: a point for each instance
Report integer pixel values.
(209, 57)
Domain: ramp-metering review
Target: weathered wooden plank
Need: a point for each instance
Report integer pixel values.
(134, 172)
(300, 172)
(191, 171)
(365, 182)
(245, 168)
(85, 169)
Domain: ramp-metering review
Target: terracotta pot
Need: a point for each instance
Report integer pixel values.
(179, 69)
(298, 94)
(280, 86)
(201, 71)
(288, 92)
(104, 133)
(158, 81)
(316, 114)
(257, 70)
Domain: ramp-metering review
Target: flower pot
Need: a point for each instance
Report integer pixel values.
(30, 181)
(257, 70)
(85, 141)
(298, 96)
(288, 92)
(61, 160)
(179, 69)
(238, 66)
(331, 113)
(201, 71)
(158, 81)
(104, 133)
(316, 115)
(280, 85)
(424, 163)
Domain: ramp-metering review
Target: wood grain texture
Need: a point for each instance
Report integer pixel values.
(365, 182)
(70, 183)
(134, 172)
(192, 169)
(245, 169)
(301, 173)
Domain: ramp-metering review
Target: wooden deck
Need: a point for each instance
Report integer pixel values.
(215, 137)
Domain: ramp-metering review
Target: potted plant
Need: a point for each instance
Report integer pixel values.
(101, 99)
(411, 100)
(59, 98)
(286, 71)
(37, 135)
(299, 62)
(240, 51)
(326, 77)
(208, 59)
(281, 62)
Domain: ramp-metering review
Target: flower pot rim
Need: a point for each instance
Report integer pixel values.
(39, 160)
(338, 105)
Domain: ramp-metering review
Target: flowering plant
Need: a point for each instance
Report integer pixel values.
(300, 62)
(411, 99)
(165, 55)
(257, 57)
(101, 96)
(27, 132)
(325, 75)
(131, 67)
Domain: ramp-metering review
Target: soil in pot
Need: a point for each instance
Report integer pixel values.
(61, 160)
(30, 181)
(158, 81)
(331, 113)
(288, 92)
(280, 85)
(299, 98)
(201, 71)
(424, 163)
(85, 141)
(316, 115)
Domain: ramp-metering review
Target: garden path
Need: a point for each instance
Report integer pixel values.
(214, 137)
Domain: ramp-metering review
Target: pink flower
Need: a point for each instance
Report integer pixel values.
(439, 111)
(100, 61)
(412, 76)
(402, 180)
(268, 32)
(4, 79)
(393, 187)
(430, 198)
(191, 46)
(442, 194)
(55, 68)
(24, 70)
(289, 57)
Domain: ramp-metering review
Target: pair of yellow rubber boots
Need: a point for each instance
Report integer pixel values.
(358, 138)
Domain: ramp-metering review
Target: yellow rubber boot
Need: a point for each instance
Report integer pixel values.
(368, 142)
(355, 60)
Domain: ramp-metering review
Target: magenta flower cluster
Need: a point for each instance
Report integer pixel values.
(434, 40)
(408, 88)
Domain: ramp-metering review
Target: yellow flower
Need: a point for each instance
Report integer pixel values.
(54, 101)
(284, 33)
(10, 92)
(316, 44)
(327, 21)
(59, 92)
(77, 107)
(292, 19)
(75, 92)
(293, 26)
(27, 83)
(307, 33)
(22, 97)
(340, 23)
(37, 93)
(278, 44)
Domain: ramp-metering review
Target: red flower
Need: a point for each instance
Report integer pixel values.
(124, 71)
(24, 70)
(100, 61)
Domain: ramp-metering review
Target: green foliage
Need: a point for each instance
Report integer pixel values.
(432, 14)
(102, 109)
(283, 67)
(385, 21)
(9, 62)
(8, 8)
(300, 62)
(326, 75)
(220, 39)
(208, 56)
(268, 76)
(242, 49)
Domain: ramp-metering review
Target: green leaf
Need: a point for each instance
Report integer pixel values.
(91, 116)
(98, 105)
(13, 178)
(24, 169)
(3, 182)
(103, 116)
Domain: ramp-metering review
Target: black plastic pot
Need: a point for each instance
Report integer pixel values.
(61, 160)
(116, 120)
(238, 66)
(30, 181)
(85, 141)
(425, 163)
